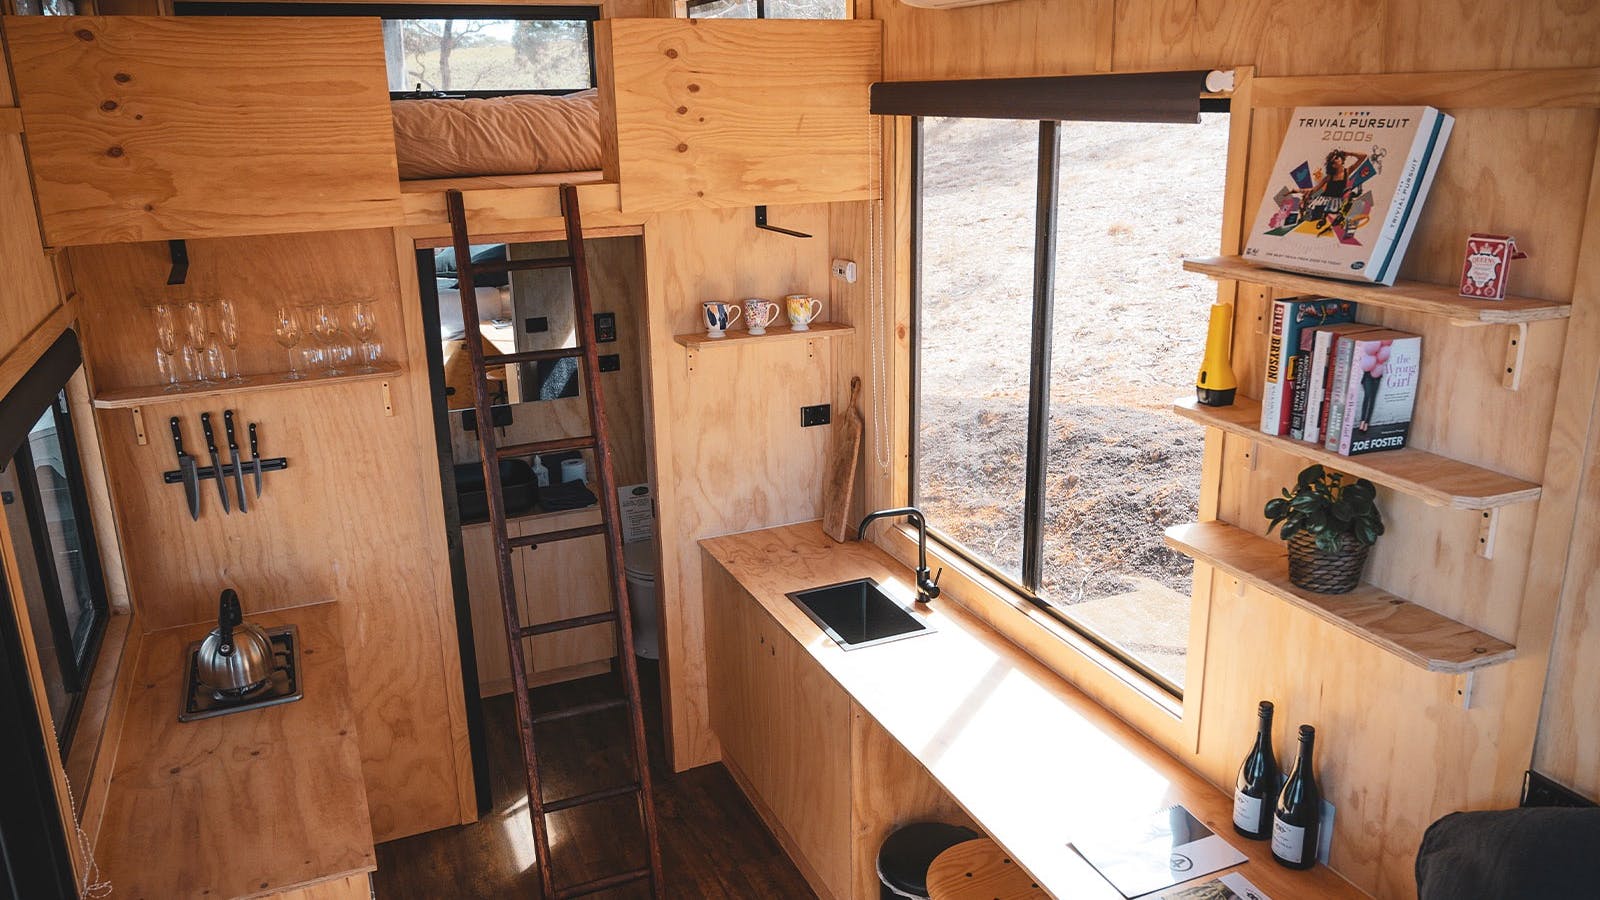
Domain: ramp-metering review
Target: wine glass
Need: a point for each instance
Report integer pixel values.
(363, 324)
(228, 327)
(286, 328)
(196, 333)
(166, 330)
(325, 326)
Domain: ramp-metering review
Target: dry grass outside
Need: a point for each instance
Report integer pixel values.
(1128, 331)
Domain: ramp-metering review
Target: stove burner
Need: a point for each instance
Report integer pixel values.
(282, 686)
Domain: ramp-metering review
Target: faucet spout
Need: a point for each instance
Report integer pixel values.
(927, 587)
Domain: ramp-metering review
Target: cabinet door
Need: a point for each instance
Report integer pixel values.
(561, 581)
(143, 128)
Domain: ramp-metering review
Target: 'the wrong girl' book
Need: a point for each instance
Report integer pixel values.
(1347, 189)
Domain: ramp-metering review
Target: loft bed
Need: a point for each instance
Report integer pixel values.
(691, 114)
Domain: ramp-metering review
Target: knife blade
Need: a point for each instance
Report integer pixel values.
(233, 451)
(255, 459)
(189, 470)
(216, 460)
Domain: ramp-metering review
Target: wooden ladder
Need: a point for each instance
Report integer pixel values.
(599, 442)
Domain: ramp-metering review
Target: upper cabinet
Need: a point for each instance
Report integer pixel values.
(723, 113)
(142, 128)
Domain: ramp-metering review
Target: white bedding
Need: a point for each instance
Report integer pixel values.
(493, 303)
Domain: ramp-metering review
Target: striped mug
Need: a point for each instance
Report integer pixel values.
(718, 317)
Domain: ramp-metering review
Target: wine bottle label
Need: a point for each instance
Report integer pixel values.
(1288, 841)
(1246, 811)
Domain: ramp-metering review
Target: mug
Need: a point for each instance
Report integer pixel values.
(803, 309)
(719, 316)
(759, 313)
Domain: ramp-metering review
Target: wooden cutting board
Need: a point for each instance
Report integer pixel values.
(839, 489)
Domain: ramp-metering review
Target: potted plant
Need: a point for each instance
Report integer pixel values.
(1330, 521)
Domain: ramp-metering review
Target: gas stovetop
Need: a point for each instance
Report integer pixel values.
(282, 686)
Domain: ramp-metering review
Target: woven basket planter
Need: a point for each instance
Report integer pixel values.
(1317, 570)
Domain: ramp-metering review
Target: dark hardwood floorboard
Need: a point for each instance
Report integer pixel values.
(713, 844)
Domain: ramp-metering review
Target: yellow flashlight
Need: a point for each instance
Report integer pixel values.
(1215, 385)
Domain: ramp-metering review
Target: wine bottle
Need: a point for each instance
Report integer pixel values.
(1296, 824)
(1255, 791)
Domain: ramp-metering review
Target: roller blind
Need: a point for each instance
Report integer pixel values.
(1136, 97)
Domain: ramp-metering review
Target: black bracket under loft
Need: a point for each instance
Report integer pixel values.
(761, 222)
(179, 251)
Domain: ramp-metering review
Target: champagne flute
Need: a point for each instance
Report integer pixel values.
(166, 328)
(286, 328)
(228, 325)
(363, 324)
(196, 333)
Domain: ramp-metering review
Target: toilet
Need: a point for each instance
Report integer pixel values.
(639, 566)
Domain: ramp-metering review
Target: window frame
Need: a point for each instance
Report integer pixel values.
(400, 11)
(1024, 591)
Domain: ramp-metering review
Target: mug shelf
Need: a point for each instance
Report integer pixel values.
(699, 339)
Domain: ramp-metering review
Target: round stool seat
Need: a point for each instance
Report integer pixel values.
(980, 870)
(904, 858)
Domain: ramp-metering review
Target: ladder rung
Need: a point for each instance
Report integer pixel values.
(609, 615)
(600, 884)
(530, 356)
(551, 537)
(521, 265)
(581, 709)
(559, 445)
(620, 790)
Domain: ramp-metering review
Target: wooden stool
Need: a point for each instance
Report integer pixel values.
(980, 870)
(904, 858)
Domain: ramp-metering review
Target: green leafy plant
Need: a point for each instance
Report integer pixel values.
(1326, 505)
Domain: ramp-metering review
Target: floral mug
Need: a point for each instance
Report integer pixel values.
(803, 309)
(759, 313)
(718, 317)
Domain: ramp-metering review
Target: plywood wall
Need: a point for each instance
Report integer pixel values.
(357, 517)
(1398, 749)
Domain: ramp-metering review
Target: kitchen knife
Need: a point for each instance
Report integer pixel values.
(233, 451)
(190, 472)
(255, 459)
(216, 461)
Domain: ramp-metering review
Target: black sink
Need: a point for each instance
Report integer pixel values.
(858, 614)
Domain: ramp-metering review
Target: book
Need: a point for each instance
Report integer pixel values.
(1337, 382)
(1300, 384)
(1232, 886)
(1290, 317)
(1321, 375)
(1347, 189)
(1380, 392)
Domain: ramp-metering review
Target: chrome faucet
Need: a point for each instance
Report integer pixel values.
(927, 588)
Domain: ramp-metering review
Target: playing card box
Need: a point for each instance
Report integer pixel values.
(1483, 272)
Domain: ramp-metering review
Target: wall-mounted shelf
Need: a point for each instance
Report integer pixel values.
(1409, 296)
(150, 394)
(1436, 479)
(1414, 633)
(698, 340)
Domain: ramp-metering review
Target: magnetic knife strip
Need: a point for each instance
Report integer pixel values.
(275, 464)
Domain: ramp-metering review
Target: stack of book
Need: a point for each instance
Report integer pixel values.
(1335, 382)
(1347, 190)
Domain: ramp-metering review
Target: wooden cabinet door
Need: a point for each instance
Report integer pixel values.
(785, 725)
(488, 622)
(144, 128)
(562, 581)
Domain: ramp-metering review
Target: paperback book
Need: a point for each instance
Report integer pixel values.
(1320, 376)
(1290, 318)
(1347, 190)
(1374, 391)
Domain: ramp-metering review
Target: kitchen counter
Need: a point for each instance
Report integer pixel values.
(1034, 761)
(242, 805)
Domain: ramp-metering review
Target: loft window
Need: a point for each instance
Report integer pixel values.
(765, 9)
(46, 507)
(462, 51)
(1053, 329)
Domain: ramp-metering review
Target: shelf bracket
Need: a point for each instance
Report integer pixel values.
(811, 349)
(692, 357)
(178, 252)
(1464, 685)
(388, 401)
(1253, 454)
(1516, 345)
(1488, 525)
(761, 222)
(138, 426)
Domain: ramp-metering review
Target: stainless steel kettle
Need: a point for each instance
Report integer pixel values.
(236, 657)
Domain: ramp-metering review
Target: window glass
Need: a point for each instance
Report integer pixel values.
(34, 593)
(1129, 330)
(769, 9)
(723, 9)
(62, 529)
(973, 330)
(455, 55)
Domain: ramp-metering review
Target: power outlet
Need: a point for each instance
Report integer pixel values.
(845, 269)
(611, 362)
(821, 414)
(535, 324)
(1325, 836)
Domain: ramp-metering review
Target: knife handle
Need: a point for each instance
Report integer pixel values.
(211, 437)
(177, 437)
(253, 450)
(227, 423)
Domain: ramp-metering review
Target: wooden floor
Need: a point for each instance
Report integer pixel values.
(713, 844)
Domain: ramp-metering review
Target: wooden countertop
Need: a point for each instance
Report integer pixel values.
(241, 805)
(1030, 758)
